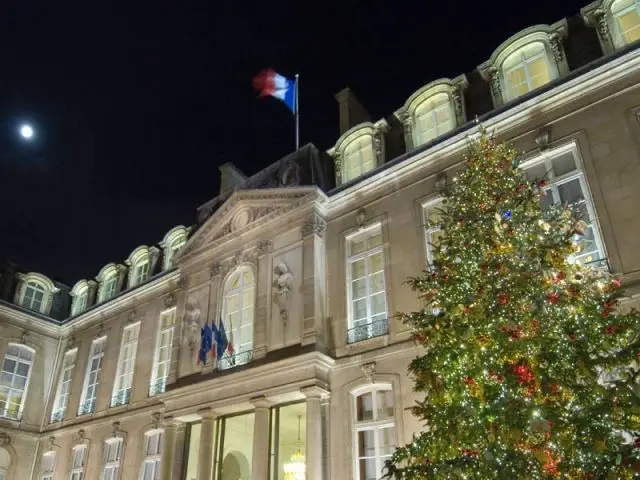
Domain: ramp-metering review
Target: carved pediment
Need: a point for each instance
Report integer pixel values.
(246, 210)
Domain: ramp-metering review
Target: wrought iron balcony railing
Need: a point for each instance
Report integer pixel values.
(57, 416)
(87, 407)
(227, 362)
(121, 398)
(158, 386)
(367, 331)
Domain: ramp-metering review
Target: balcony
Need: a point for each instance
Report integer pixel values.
(121, 398)
(158, 386)
(87, 407)
(57, 416)
(375, 329)
(236, 360)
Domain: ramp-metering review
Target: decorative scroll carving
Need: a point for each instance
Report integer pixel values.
(24, 336)
(314, 224)
(80, 436)
(100, 331)
(192, 323)
(132, 315)
(457, 103)
(441, 181)
(556, 48)
(156, 419)
(170, 300)
(598, 19)
(282, 283)
(337, 160)
(369, 370)
(543, 137)
(215, 270)
(116, 431)
(263, 247)
(71, 343)
(494, 81)
(361, 218)
(51, 442)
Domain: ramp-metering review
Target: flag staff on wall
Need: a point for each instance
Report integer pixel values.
(272, 84)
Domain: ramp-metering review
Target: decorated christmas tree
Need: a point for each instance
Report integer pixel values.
(530, 366)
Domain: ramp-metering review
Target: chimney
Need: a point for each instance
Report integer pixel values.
(230, 177)
(351, 110)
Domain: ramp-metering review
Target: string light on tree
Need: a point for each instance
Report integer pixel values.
(529, 370)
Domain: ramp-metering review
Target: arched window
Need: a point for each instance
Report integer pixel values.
(432, 118)
(626, 19)
(139, 266)
(5, 463)
(526, 69)
(359, 158)
(14, 380)
(34, 296)
(374, 429)
(80, 301)
(239, 299)
(109, 286)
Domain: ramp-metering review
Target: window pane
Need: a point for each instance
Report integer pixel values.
(571, 192)
(563, 164)
(364, 407)
(238, 446)
(387, 440)
(384, 404)
(366, 443)
(291, 441)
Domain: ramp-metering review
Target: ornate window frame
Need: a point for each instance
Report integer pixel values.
(108, 272)
(153, 458)
(141, 263)
(454, 89)
(80, 296)
(77, 472)
(598, 15)
(550, 36)
(176, 236)
(375, 130)
(116, 464)
(48, 287)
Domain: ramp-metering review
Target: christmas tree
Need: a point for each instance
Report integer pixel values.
(529, 367)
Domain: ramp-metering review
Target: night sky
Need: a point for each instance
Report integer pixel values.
(138, 103)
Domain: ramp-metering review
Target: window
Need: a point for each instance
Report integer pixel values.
(92, 377)
(174, 248)
(64, 387)
(80, 302)
(359, 158)
(14, 380)
(239, 298)
(375, 430)
(162, 357)
(109, 286)
(626, 16)
(141, 272)
(34, 296)
(526, 69)
(126, 364)
(567, 185)
(48, 465)
(152, 455)
(366, 286)
(111, 460)
(432, 118)
(432, 215)
(79, 454)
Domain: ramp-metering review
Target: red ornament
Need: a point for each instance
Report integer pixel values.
(543, 183)
(637, 443)
(560, 276)
(553, 298)
(467, 452)
(483, 206)
(605, 313)
(521, 187)
(572, 337)
(610, 330)
(469, 381)
(499, 379)
(503, 298)
(554, 389)
(523, 373)
(615, 283)
(468, 309)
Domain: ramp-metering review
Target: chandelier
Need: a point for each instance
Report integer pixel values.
(297, 467)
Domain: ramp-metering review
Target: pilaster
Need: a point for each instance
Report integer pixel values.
(315, 432)
(205, 451)
(260, 462)
(167, 463)
(313, 280)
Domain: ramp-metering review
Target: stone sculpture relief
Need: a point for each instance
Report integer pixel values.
(282, 283)
(192, 322)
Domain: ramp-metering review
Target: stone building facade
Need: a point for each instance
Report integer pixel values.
(303, 266)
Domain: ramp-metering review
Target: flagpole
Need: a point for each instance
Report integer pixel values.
(297, 112)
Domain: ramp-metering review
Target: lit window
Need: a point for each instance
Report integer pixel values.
(64, 387)
(432, 118)
(567, 185)
(48, 465)
(79, 455)
(359, 158)
(162, 356)
(375, 430)
(174, 248)
(626, 14)
(80, 302)
(92, 377)
(111, 459)
(126, 364)
(34, 296)
(526, 69)
(366, 286)
(14, 380)
(141, 272)
(109, 286)
(432, 215)
(239, 298)
(152, 455)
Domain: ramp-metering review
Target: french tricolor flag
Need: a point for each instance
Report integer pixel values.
(270, 83)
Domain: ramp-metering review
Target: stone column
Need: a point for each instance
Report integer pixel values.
(205, 452)
(167, 461)
(260, 462)
(325, 404)
(314, 448)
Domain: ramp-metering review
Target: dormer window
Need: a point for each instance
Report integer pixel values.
(359, 158)
(109, 290)
(172, 243)
(525, 70)
(141, 272)
(108, 279)
(359, 151)
(432, 111)
(626, 15)
(141, 264)
(35, 292)
(80, 302)
(526, 62)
